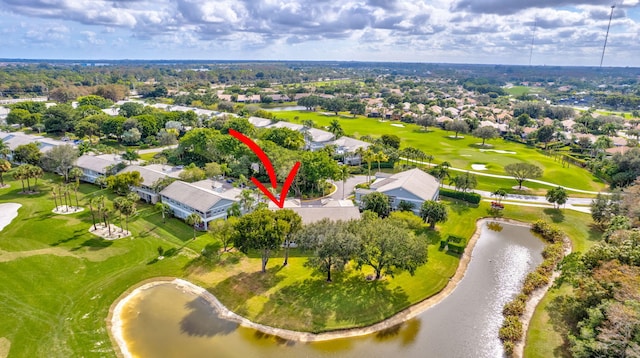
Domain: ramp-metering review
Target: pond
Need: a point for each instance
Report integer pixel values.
(167, 321)
(285, 108)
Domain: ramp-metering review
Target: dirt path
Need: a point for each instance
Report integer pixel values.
(115, 322)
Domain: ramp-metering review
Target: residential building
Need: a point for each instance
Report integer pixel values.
(347, 147)
(150, 174)
(207, 198)
(331, 209)
(413, 186)
(94, 166)
(15, 139)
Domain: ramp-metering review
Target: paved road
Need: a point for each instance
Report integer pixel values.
(156, 150)
(349, 187)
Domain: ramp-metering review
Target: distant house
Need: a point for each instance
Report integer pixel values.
(413, 186)
(150, 174)
(259, 122)
(15, 139)
(317, 138)
(207, 198)
(347, 147)
(314, 138)
(94, 166)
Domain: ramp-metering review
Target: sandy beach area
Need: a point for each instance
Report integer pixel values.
(8, 212)
(116, 324)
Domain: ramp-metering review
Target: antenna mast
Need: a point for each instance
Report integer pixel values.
(607, 36)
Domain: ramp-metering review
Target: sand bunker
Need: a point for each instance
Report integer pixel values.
(397, 125)
(498, 151)
(478, 167)
(8, 212)
(5, 346)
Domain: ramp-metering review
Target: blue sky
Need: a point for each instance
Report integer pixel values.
(567, 32)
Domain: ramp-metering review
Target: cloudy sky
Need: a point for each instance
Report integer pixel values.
(564, 32)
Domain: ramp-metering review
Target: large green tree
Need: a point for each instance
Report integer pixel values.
(387, 246)
(523, 171)
(60, 159)
(288, 223)
(433, 212)
(557, 196)
(331, 243)
(27, 153)
(377, 203)
(258, 230)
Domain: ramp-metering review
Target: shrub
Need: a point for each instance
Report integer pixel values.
(472, 198)
(508, 348)
(514, 308)
(511, 329)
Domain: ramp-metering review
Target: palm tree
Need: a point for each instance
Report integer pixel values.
(19, 175)
(105, 215)
(380, 157)
(4, 150)
(194, 219)
(128, 210)
(344, 174)
(118, 204)
(91, 201)
(336, 128)
(35, 172)
(5, 166)
(164, 208)
(55, 198)
(368, 157)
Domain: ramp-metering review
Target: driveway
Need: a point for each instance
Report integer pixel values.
(350, 186)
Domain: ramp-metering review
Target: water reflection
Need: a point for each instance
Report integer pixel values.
(165, 321)
(202, 320)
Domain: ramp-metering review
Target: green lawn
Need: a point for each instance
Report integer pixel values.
(59, 280)
(461, 152)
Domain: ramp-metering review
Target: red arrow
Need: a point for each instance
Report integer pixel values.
(269, 168)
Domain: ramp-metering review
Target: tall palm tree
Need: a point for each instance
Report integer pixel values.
(55, 198)
(368, 157)
(344, 174)
(194, 219)
(4, 150)
(5, 166)
(91, 201)
(336, 128)
(35, 172)
(380, 157)
(19, 175)
(164, 208)
(128, 210)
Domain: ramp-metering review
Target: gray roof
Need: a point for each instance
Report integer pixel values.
(283, 124)
(194, 196)
(313, 214)
(318, 135)
(13, 140)
(414, 181)
(350, 145)
(97, 163)
(259, 122)
(151, 173)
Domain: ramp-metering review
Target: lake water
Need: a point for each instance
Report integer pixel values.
(286, 108)
(165, 321)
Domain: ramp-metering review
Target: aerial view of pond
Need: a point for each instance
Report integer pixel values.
(165, 321)
(286, 108)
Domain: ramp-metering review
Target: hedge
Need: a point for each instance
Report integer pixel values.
(472, 198)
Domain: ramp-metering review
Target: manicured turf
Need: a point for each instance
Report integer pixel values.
(461, 152)
(56, 299)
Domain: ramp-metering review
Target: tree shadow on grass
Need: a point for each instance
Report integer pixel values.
(78, 234)
(235, 291)
(311, 304)
(96, 243)
(556, 215)
(203, 320)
